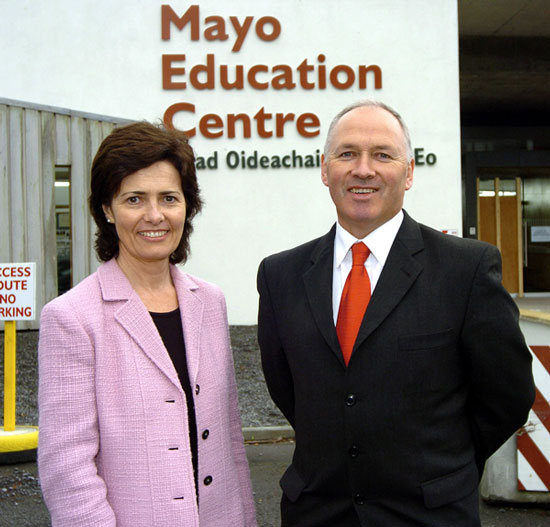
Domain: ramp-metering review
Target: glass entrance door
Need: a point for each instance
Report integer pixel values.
(536, 226)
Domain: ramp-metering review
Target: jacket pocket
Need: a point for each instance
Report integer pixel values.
(427, 341)
(429, 363)
(292, 484)
(451, 487)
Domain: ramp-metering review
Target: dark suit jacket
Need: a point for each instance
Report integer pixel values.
(439, 378)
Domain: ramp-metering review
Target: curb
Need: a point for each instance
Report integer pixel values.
(535, 316)
(267, 433)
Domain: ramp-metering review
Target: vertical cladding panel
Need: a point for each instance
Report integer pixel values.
(5, 246)
(5, 206)
(35, 247)
(103, 129)
(97, 134)
(80, 240)
(48, 205)
(62, 140)
(18, 227)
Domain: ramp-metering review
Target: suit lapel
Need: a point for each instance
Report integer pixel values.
(133, 316)
(318, 285)
(191, 309)
(399, 273)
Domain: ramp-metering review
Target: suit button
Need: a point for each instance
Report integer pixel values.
(197, 389)
(208, 480)
(354, 451)
(359, 499)
(205, 434)
(350, 399)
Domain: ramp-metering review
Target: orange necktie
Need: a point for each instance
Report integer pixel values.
(355, 298)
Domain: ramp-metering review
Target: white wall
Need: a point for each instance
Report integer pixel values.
(104, 57)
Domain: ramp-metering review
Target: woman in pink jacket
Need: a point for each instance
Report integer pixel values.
(139, 422)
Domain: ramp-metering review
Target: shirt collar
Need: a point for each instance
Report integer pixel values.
(378, 241)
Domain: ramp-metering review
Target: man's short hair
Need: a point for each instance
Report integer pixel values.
(376, 104)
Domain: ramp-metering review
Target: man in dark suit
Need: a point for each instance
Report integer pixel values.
(393, 429)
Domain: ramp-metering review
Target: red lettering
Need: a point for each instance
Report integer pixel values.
(15, 285)
(168, 71)
(208, 122)
(232, 119)
(275, 28)
(350, 77)
(217, 31)
(241, 30)
(208, 70)
(252, 77)
(363, 70)
(268, 28)
(11, 313)
(168, 16)
(168, 117)
(280, 120)
(213, 126)
(308, 120)
(7, 299)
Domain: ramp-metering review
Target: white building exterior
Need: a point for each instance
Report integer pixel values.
(301, 59)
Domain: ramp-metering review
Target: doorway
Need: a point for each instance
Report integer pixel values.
(513, 213)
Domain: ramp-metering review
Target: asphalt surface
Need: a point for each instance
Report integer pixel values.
(267, 463)
(21, 502)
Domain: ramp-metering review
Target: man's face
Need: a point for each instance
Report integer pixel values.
(366, 169)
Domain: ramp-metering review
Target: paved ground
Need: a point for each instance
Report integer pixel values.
(267, 463)
(540, 303)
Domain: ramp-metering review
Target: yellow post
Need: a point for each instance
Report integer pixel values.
(9, 375)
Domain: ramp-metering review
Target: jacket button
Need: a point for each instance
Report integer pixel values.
(208, 480)
(197, 389)
(359, 499)
(354, 451)
(350, 399)
(205, 434)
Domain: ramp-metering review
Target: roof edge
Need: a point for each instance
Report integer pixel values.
(64, 111)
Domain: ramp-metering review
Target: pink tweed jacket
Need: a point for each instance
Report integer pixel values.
(113, 442)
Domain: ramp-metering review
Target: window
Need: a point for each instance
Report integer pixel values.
(63, 227)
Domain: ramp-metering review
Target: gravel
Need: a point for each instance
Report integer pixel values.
(257, 409)
(26, 377)
(256, 406)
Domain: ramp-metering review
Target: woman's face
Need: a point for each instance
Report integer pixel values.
(149, 214)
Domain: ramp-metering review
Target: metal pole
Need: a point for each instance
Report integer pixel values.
(9, 375)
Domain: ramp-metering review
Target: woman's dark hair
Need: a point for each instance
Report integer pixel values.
(125, 151)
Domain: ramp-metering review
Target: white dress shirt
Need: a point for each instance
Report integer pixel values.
(378, 241)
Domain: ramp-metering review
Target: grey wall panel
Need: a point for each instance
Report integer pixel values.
(79, 209)
(5, 205)
(34, 213)
(62, 140)
(18, 227)
(97, 134)
(48, 205)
